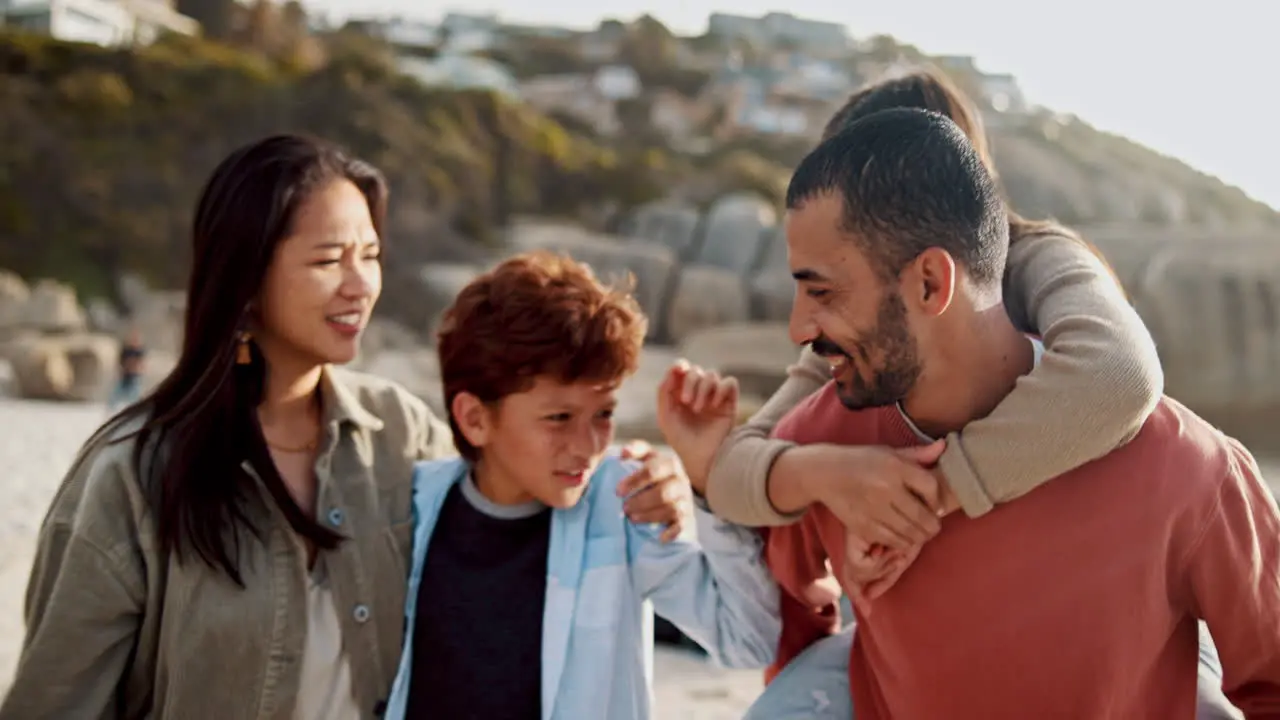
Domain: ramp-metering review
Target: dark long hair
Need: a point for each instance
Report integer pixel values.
(200, 425)
(929, 89)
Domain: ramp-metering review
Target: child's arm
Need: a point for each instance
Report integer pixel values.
(737, 488)
(1097, 383)
(716, 589)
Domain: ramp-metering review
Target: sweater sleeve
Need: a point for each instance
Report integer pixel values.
(1233, 573)
(1097, 383)
(738, 486)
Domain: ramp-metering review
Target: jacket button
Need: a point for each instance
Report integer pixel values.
(335, 517)
(360, 613)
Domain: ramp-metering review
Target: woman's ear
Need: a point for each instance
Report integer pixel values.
(473, 418)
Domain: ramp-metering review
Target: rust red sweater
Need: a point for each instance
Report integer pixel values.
(1076, 601)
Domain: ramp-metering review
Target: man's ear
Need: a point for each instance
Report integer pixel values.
(473, 418)
(930, 282)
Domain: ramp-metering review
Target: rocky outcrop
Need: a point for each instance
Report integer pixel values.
(58, 349)
(69, 367)
(1211, 299)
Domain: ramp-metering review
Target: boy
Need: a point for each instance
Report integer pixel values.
(529, 590)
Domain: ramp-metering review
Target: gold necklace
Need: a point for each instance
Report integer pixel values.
(308, 446)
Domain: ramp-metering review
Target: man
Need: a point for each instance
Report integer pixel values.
(1085, 601)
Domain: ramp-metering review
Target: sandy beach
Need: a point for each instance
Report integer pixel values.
(37, 442)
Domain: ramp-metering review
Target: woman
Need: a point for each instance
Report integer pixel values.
(235, 545)
(1098, 382)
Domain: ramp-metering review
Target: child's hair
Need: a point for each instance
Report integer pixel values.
(536, 314)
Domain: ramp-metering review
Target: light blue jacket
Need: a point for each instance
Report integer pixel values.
(605, 577)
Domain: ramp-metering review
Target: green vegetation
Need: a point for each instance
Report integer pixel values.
(105, 150)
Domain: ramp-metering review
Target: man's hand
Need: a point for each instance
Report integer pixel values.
(881, 495)
(696, 410)
(658, 492)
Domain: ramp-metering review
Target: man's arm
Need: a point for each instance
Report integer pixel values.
(798, 560)
(1233, 569)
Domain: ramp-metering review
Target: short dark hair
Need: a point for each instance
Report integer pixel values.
(909, 180)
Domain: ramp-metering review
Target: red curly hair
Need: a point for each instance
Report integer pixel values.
(536, 314)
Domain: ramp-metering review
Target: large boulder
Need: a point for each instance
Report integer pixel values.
(77, 367)
(757, 354)
(1213, 316)
(705, 297)
(417, 369)
(670, 223)
(636, 417)
(52, 307)
(772, 294)
(652, 267)
(441, 283)
(771, 288)
(14, 295)
(737, 229)
(41, 369)
(94, 360)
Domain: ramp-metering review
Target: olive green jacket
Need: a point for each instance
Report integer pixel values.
(118, 629)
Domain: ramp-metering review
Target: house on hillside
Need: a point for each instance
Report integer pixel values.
(589, 97)
(109, 23)
(1003, 93)
(814, 78)
(603, 44)
(575, 96)
(772, 101)
(781, 29)
(676, 117)
(469, 33)
(617, 82)
(999, 91)
(461, 72)
(410, 36)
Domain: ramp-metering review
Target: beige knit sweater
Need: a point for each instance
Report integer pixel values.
(1098, 381)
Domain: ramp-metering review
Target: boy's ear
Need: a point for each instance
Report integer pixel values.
(472, 418)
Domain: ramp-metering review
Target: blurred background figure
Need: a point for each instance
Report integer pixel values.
(128, 387)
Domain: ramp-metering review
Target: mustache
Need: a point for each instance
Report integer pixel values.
(825, 347)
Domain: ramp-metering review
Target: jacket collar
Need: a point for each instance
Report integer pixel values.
(341, 405)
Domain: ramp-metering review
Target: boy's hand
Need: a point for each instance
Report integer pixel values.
(823, 591)
(696, 410)
(658, 493)
(870, 575)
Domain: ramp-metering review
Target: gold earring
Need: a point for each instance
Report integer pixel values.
(243, 356)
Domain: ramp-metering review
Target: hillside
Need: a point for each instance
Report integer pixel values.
(105, 151)
(1064, 168)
